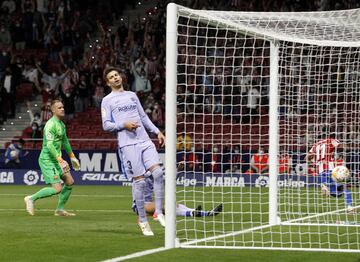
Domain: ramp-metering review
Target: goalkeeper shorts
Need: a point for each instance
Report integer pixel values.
(51, 171)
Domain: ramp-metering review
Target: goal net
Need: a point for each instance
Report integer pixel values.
(254, 92)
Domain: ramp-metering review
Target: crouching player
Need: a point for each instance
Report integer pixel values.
(53, 167)
(181, 210)
(322, 155)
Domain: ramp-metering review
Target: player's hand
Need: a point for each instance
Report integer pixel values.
(64, 166)
(161, 139)
(325, 190)
(131, 126)
(75, 163)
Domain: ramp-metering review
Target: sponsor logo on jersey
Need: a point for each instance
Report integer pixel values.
(126, 108)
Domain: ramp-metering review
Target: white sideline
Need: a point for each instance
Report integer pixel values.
(137, 254)
(73, 195)
(74, 210)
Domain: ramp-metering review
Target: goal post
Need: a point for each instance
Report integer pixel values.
(238, 84)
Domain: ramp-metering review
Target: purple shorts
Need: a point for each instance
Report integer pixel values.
(137, 159)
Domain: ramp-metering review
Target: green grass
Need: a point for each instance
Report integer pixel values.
(105, 228)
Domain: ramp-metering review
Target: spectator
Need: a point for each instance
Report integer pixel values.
(46, 112)
(68, 99)
(213, 160)
(14, 153)
(285, 162)
(259, 162)
(192, 160)
(18, 37)
(4, 62)
(158, 116)
(10, 5)
(8, 86)
(5, 37)
(253, 98)
(35, 131)
(98, 93)
(34, 118)
(235, 161)
(184, 142)
(82, 91)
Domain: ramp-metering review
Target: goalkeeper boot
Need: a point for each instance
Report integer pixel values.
(29, 205)
(216, 210)
(198, 211)
(159, 218)
(145, 228)
(63, 213)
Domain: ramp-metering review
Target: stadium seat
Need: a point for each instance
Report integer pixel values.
(24, 92)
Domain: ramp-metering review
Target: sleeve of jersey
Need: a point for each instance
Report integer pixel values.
(107, 120)
(145, 119)
(50, 136)
(66, 144)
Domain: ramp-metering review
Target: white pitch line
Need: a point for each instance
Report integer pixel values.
(137, 254)
(109, 196)
(74, 210)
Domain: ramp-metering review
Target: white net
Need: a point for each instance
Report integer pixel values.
(223, 76)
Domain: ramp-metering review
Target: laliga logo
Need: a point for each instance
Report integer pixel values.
(31, 177)
(262, 181)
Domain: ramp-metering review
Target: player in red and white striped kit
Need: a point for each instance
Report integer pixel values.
(322, 154)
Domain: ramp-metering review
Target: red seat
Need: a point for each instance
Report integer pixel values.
(24, 91)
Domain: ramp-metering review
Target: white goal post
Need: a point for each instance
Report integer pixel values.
(238, 84)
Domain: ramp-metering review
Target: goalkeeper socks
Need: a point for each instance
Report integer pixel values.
(64, 196)
(138, 194)
(44, 192)
(158, 189)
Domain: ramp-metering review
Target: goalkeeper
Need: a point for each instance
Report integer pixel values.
(53, 167)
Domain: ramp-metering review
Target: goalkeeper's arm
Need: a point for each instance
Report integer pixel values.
(74, 161)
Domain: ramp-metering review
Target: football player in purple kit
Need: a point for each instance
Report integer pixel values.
(122, 113)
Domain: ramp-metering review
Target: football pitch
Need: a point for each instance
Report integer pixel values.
(104, 228)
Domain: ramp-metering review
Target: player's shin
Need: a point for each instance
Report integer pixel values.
(138, 193)
(158, 189)
(43, 193)
(64, 196)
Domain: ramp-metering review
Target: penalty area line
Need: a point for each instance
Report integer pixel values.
(137, 254)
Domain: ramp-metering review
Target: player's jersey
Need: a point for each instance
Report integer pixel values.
(54, 138)
(323, 154)
(120, 107)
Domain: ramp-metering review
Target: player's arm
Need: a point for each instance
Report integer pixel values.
(50, 144)
(74, 161)
(148, 124)
(107, 120)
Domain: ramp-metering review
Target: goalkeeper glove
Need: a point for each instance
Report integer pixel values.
(74, 162)
(64, 165)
